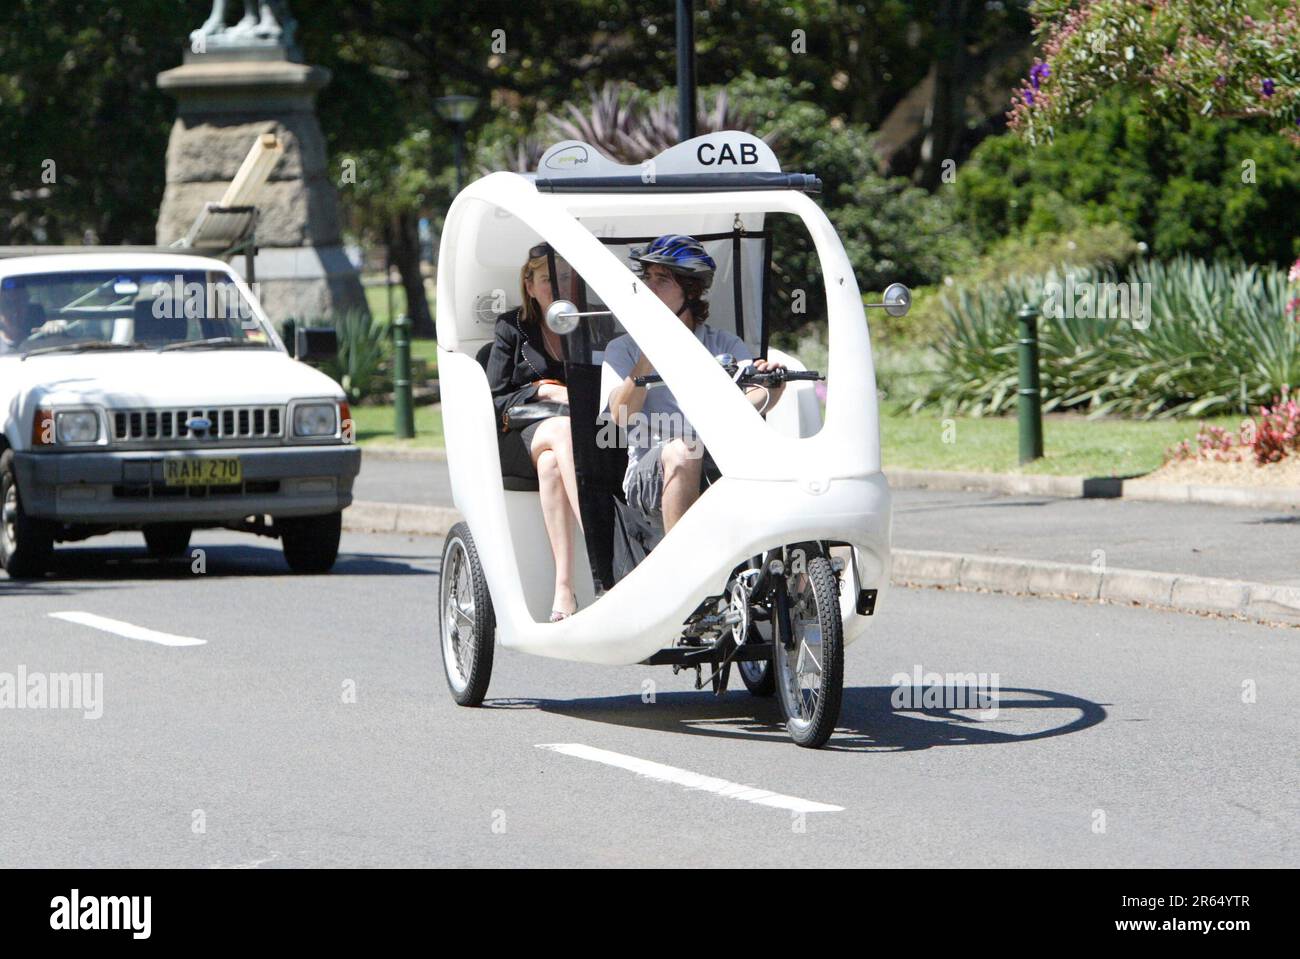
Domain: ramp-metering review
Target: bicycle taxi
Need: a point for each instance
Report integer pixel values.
(780, 563)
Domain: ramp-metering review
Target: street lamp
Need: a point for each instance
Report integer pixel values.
(457, 110)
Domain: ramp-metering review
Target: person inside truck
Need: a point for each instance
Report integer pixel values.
(15, 317)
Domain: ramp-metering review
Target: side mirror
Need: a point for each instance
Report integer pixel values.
(897, 300)
(315, 344)
(562, 316)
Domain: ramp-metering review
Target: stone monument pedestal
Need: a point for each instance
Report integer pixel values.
(227, 98)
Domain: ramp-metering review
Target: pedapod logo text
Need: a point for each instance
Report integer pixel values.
(37, 690)
(77, 912)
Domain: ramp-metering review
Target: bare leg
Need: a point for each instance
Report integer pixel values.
(555, 434)
(683, 465)
(553, 455)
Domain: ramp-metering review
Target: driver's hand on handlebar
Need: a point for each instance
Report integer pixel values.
(767, 366)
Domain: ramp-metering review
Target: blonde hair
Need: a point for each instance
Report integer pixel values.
(530, 311)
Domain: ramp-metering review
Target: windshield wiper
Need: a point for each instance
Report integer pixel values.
(215, 341)
(82, 347)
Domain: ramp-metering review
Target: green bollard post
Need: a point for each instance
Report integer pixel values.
(403, 407)
(1030, 397)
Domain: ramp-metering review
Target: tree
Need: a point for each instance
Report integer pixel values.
(1229, 58)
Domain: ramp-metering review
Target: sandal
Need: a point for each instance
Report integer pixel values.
(557, 616)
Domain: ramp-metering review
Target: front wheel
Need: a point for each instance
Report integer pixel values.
(809, 662)
(26, 543)
(466, 622)
(311, 543)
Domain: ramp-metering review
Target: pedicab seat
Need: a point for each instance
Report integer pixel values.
(517, 484)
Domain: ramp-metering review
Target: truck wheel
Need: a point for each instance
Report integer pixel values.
(467, 625)
(311, 543)
(167, 540)
(26, 543)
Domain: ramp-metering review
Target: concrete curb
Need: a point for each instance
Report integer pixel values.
(1014, 484)
(1262, 602)
(1094, 487)
(385, 452)
(406, 518)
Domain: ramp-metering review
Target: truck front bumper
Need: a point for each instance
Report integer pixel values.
(127, 488)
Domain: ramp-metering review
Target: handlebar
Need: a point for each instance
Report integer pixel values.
(750, 377)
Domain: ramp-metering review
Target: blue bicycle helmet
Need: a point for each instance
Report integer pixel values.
(681, 254)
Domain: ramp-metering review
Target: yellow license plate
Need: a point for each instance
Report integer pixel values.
(208, 471)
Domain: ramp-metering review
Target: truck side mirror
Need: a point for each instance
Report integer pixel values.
(315, 344)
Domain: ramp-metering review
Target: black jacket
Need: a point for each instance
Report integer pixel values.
(518, 359)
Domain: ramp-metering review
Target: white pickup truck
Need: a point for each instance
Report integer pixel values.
(148, 391)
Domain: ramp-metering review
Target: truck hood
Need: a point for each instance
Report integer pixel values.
(151, 379)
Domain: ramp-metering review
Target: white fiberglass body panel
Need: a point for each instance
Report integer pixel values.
(784, 479)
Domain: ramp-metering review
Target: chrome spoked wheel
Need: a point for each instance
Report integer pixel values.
(809, 663)
(466, 621)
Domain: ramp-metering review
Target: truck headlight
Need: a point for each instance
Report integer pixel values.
(77, 426)
(315, 419)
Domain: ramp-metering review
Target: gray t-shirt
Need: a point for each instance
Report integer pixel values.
(661, 419)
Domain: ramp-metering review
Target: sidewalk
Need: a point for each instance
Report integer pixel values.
(1218, 541)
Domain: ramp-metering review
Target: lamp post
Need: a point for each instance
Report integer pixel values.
(458, 110)
(685, 70)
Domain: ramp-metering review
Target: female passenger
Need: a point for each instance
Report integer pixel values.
(526, 366)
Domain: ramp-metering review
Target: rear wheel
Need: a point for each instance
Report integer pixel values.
(26, 543)
(466, 622)
(167, 540)
(311, 543)
(809, 663)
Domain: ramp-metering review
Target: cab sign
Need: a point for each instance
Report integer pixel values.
(710, 154)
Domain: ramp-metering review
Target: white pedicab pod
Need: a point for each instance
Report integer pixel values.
(777, 486)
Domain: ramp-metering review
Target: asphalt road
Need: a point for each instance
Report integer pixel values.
(1230, 542)
(1122, 738)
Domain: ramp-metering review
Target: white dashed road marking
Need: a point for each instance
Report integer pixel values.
(119, 628)
(684, 777)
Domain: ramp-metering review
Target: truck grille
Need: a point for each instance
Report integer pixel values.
(229, 424)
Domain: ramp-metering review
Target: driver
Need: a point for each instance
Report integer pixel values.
(666, 458)
(14, 318)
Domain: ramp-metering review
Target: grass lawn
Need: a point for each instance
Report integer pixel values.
(1072, 445)
(374, 424)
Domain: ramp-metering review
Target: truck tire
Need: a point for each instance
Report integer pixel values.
(311, 543)
(167, 540)
(26, 543)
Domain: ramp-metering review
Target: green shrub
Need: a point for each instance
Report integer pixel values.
(1181, 186)
(1217, 340)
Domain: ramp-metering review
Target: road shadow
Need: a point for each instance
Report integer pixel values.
(869, 721)
(88, 564)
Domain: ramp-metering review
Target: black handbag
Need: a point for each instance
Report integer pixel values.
(524, 415)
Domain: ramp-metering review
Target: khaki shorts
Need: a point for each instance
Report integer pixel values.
(644, 485)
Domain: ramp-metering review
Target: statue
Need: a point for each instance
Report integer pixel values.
(265, 23)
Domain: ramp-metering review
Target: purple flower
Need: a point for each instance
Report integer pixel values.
(1038, 73)
(1029, 97)
(1267, 87)
(1220, 81)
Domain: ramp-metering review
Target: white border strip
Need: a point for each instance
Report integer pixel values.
(119, 628)
(690, 780)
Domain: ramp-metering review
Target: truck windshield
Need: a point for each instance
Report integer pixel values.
(146, 309)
